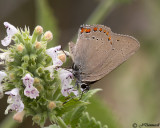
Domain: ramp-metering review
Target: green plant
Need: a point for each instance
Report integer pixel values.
(36, 83)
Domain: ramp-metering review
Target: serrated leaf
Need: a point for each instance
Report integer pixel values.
(108, 117)
(70, 105)
(90, 93)
(87, 122)
(73, 117)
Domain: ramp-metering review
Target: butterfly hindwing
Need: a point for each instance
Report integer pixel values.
(123, 47)
(98, 51)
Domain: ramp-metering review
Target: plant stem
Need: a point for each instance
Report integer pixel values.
(100, 12)
(61, 123)
(8, 122)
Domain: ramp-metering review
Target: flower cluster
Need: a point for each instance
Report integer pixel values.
(33, 77)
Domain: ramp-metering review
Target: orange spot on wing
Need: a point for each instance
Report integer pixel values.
(82, 30)
(109, 38)
(95, 29)
(100, 29)
(107, 33)
(85, 29)
(104, 31)
(88, 30)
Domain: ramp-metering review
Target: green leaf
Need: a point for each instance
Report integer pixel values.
(61, 123)
(72, 104)
(87, 122)
(90, 93)
(101, 108)
(73, 117)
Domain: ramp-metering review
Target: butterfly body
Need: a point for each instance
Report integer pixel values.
(98, 51)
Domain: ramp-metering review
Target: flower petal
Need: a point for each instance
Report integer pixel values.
(28, 80)
(31, 92)
(14, 92)
(53, 53)
(2, 75)
(6, 41)
(66, 80)
(11, 30)
(5, 55)
(65, 76)
(14, 100)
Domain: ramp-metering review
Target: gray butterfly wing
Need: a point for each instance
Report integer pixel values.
(87, 52)
(72, 50)
(123, 47)
(97, 53)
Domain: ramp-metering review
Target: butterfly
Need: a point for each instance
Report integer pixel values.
(97, 52)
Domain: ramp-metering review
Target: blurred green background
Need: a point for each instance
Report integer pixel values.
(131, 92)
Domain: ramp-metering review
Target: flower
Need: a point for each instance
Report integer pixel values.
(28, 80)
(19, 116)
(48, 36)
(66, 79)
(62, 56)
(38, 45)
(13, 92)
(20, 48)
(53, 53)
(2, 75)
(14, 100)
(65, 76)
(51, 70)
(30, 90)
(39, 30)
(6, 56)
(11, 30)
(51, 105)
